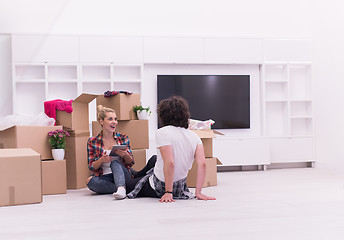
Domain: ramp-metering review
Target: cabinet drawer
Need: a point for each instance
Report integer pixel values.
(41, 48)
(111, 49)
(291, 150)
(240, 152)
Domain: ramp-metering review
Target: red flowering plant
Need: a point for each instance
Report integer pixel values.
(57, 139)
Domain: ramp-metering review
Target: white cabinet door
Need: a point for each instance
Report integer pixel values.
(173, 50)
(241, 152)
(233, 50)
(288, 50)
(41, 48)
(283, 150)
(111, 49)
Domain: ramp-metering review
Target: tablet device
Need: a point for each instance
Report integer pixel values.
(115, 147)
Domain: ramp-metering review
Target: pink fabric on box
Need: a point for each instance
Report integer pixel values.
(50, 107)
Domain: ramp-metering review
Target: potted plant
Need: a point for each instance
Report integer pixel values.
(57, 140)
(142, 112)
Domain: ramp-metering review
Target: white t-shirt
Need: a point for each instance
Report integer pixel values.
(184, 143)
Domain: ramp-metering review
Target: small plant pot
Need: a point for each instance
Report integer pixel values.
(58, 154)
(142, 115)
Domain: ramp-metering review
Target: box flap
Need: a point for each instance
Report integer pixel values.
(17, 152)
(205, 133)
(78, 133)
(2, 128)
(85, 98)
(218, 162)
(218, 133)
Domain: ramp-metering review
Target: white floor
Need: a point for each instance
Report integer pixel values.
(288, 204)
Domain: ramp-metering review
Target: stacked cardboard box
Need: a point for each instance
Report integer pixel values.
(34, 137)
(20, 178)
(211, 161)
(37, 139)
(77, 125)
(54, 179)
(137, 130)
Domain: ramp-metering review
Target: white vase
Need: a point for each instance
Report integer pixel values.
(58, 154)
(142, 115)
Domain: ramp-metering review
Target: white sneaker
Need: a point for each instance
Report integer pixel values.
(120, 194)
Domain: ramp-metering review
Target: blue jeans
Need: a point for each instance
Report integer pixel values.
(108, 183)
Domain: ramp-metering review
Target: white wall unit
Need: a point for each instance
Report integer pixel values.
(282, 125)
(45, 48)
(288, 111)
(295, 149)
(233, 50)
(173, 50)
(296, 50)
(28, 96)
(287, 97)
(60, 73)
(95, 49)
(242, 151)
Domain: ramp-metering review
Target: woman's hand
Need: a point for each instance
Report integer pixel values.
(121, 152)
(105, 159)
(167, 197)
(125, 156)
(201, 196)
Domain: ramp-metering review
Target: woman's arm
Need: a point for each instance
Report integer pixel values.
(94, 161)
(168, 158)
(201, 170)
(127, 154)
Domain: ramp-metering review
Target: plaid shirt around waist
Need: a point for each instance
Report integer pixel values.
(180, 189)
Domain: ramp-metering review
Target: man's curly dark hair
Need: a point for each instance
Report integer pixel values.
(174, 111)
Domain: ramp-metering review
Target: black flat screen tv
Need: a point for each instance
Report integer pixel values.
(222, 98)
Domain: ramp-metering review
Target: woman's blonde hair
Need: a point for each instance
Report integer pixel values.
(101, 112)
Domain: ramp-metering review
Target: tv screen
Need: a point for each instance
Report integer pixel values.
(222, 98)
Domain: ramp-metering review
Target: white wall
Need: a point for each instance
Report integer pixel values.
(319, 20)
(5, 75)
(328, 72)
(155, 17)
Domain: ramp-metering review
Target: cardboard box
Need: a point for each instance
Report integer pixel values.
(140, 159)
(54, 177)
(96, 128)
(78, 119)
(137, 131)
(207, 140)
(34, 137)
(20, 178)
(123, 105)
(76, 159)
(211, 173)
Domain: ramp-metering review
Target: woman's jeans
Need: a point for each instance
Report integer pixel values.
(108, 183)
(120, 177)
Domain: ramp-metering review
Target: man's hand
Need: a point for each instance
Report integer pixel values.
(167, 197)
(201, 196)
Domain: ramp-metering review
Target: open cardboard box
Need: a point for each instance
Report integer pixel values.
(210, 176)
(34, 137)
(207, 140)
(123, 104)
(20, 178)
(78, 119)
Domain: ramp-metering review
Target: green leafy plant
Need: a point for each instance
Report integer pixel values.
(57, 139)
(140, 108)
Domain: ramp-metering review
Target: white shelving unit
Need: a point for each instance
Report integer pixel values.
(35, 83)
(288, 114)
